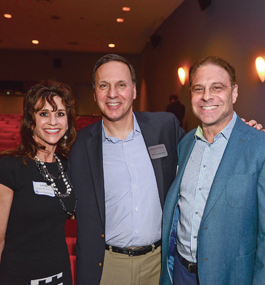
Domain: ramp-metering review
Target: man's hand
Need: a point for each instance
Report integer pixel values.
(254, 124)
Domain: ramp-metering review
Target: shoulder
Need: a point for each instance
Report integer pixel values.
(11, 170)
(90, 134)
(10, 161)
(156, 118)
(256, 136)
(89, 130)
(188, 137)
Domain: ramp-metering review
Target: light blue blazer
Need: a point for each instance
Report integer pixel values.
(231, 238)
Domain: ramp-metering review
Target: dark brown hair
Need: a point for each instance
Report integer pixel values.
(113, 57)
(44, 92)
(214, 60)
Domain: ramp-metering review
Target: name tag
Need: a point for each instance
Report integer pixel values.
(157, 151)
(41, 188)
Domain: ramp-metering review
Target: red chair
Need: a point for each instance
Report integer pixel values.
(7, 136)
(7, 144)
(70, 237)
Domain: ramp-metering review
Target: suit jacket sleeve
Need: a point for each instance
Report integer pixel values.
(259, 266)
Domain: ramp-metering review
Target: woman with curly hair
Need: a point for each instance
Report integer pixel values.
(36, 195)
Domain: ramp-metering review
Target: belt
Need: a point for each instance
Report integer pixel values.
(192, 267)
(134, 251)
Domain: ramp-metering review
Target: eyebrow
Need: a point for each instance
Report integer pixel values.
(58, 110)
(119, 81)
(211, 84)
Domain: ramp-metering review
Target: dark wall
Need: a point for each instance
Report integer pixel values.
(76, 71)
(232, 29)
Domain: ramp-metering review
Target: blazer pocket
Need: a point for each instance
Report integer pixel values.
(237, 188)
(245, 268)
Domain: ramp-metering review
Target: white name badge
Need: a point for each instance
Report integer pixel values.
(41, 188)
(157, 151)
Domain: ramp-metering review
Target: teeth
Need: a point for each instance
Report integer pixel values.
(113, 104)
(52, 131)
(209, 108)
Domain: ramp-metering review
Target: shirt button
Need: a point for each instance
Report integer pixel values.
(200, 189)
(134, 186)
(99, 264)
(136, 209)
(204, 166)
(195, 237)
(136, 231)
(124, 143)
(196, 213)
(130, 164)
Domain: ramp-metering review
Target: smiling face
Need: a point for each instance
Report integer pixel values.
(214, 106)
(114, 91)
(51, 125)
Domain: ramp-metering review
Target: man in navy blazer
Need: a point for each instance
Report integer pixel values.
(138, 150)
(214, 214)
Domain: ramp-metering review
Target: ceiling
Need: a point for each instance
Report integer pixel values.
(82, 25)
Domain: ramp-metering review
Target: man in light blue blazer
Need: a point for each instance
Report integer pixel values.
(214, 214)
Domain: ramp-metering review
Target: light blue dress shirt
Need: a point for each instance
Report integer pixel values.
(195, 187)
(133, 209)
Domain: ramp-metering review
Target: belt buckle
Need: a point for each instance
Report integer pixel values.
(190, 266)
(130, 252)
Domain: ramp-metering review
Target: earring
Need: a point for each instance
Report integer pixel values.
(65, 139)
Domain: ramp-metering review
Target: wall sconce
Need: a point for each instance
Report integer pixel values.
(182, 75)
(260, 65)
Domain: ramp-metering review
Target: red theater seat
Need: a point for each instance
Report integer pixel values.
(70, 237)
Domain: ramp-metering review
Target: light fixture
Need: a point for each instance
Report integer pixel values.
(35, 42)
(260, 65)
(8, 16)
(111, 45)
(126, 9)
(120, 20)
(182, 75)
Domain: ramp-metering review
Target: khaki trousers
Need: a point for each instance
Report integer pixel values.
(121, 269)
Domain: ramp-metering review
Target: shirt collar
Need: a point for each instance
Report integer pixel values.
(226, 132)
(136, 130)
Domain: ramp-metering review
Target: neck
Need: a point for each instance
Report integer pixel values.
(46, 156)
(210, 131)
(209, 135)
(119, 129)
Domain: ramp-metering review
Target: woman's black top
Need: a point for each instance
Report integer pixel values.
(35, 244)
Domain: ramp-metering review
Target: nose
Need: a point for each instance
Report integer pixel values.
(112, 92)
(53, 119)
(207, 95)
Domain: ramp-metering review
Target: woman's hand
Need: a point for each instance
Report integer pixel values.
(6, 198)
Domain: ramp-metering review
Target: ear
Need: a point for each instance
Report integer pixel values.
(234, 94)
(134, 93)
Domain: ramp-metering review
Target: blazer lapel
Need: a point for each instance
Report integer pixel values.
(95, 158)
(236, 144)
(183, 157)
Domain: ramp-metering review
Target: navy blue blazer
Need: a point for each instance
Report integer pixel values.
(231, 238)
(86, 175)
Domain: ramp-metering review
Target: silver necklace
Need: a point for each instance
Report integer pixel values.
(50, 180)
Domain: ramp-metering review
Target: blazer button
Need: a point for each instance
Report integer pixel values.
(99, 264)
(102, 236)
